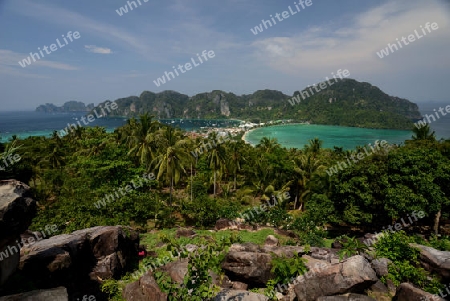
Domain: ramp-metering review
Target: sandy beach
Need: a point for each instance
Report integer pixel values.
(244, 137)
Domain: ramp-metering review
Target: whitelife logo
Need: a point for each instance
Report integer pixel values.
(378, 147)
(35, 56)
(12, 160)
(90, 118)
(411, 38)
(430, 118)
(162, 80)
(324, 85)
(13, 249)
(124, 9)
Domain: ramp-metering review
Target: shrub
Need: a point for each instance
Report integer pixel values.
(405, 263)
(284, 269)
(395, 246)
(204, 211)
(197, 284)
(350, 246)
(442, 244)
(278, 217)
(253, 217)
(275, 216)
(308, 232)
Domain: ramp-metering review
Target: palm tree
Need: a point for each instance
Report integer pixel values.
(423, 133)
(268, 145)
(314, 147)
(308, 170)
(10, 148)
(53, 161)
(141, 139)
(173, 157)
(56, 158)
(234, 150)
(33, 154)
(260, 170)
(216, 157)
(191, 149)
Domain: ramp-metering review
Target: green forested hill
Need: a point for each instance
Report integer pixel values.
(347, 103)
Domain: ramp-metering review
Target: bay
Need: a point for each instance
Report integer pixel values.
(30, 123)
(298, 135)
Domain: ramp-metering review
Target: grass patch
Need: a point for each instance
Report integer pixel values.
(152, 240)
(328, 242)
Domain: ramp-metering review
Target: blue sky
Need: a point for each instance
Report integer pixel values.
(118, 56)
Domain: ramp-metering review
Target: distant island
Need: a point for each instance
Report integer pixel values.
(70, 106)
(346, 103)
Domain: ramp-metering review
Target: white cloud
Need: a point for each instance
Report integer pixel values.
(9, 62)
(83, 24)
(95, 49)
(322, 50)
(54, 65)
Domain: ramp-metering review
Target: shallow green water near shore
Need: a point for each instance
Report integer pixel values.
(297, 135)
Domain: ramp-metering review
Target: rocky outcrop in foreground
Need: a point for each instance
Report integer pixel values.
(56, 294)
(17, 210)
(81, 260)
(78, 262)
(407, 292)
(352, 275)
(434, 260)
(248, 266)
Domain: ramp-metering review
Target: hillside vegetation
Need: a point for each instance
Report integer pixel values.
(266, 185)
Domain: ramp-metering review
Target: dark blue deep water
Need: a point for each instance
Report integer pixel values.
(25, 124)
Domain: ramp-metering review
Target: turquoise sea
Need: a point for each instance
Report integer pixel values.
(297, 135)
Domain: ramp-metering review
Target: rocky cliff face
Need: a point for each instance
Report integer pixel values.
(224, 107)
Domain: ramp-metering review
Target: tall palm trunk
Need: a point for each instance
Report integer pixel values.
(436, 222)
(214, 183)
(171, 189)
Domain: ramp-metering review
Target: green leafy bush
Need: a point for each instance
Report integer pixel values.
(395, 246)
(204, 211)
(111, 287)
(285, 268)
(440, 243)
(253, 216)
(308, 232)
(405, 266)
(350, 246)
(197, 284)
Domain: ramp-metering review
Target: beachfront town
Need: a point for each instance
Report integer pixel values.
(243, 129)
